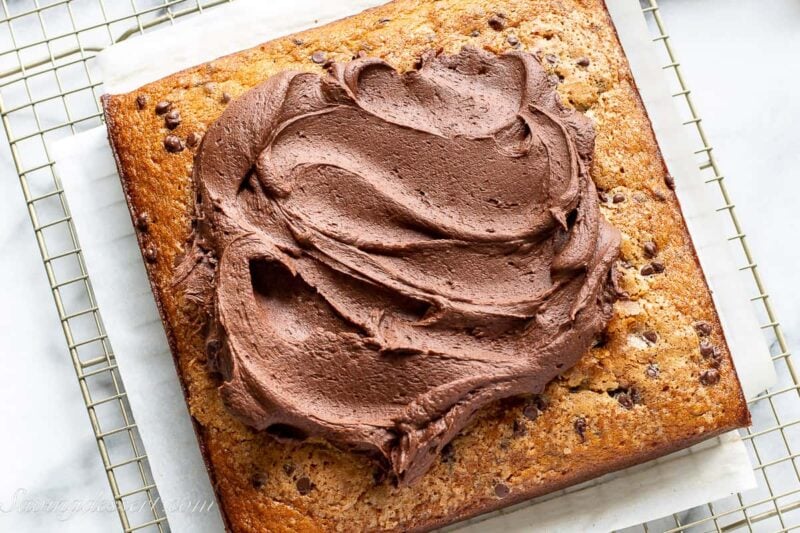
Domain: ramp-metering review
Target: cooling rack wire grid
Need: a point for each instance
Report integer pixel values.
(48, 90)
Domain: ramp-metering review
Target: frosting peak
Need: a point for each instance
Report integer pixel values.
(394, 251)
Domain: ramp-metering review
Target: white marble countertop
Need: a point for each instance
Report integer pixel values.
(739, 57)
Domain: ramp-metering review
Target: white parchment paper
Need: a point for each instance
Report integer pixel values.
(707, 472)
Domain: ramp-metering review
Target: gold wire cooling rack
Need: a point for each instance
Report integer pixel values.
(48, 90)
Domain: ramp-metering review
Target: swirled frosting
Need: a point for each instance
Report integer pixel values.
(391, 252)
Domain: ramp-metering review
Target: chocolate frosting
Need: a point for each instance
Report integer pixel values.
(387, 253)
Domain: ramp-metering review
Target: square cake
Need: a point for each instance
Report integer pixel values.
(419, 264)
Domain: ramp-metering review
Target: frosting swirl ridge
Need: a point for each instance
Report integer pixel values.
(393, 251)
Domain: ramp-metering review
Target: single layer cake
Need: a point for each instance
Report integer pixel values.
(419, 264)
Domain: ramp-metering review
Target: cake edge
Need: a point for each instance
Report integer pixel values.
(198, 429)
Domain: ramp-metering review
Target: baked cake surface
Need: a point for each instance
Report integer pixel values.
(661, 378)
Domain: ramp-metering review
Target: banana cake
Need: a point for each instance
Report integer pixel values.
(419, 264)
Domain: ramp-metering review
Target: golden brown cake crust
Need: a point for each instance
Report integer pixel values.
(658, 383)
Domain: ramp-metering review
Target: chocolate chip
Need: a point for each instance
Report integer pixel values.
(297, 42)
(703, 328)
(706, 348)
(384, 20)
(600, 340)
(551, 58)
(288, 469)
(193, 139)
(710, 377)
(531, 412)
(583, 62)
(173, 144)
(162, 107)
(518, 428)
(226, 97)
(602, 196)
(318, 57)
(650, 249)
(652, 370)
(141, 101)
(497, 22)
(474, 33)
(618, 198)
(650, 335)
(580, 428)
(512, 40)
(150, 254)
(501, 490)
(448, 453)
(647, 270)
(304, 486)
(172, 119)
(660, 196)
(669, 181)
(636, 395)
(658, 267)
(259, 480)
(625, 400)
(142, 222)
